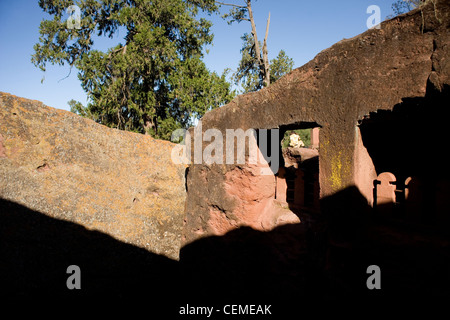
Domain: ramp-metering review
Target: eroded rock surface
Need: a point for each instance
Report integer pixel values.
(70, 168)
(406, 60)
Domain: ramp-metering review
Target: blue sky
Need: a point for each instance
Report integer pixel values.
(301, 28)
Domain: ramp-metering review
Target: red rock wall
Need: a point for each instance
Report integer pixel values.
(340, 86)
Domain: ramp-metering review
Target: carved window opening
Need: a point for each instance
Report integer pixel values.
(297, 179)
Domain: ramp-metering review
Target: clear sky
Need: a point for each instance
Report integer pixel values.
(301, 28)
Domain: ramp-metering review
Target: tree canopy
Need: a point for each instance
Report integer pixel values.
(255, 71)
(248, 73)
(154, 82)
(402, 6)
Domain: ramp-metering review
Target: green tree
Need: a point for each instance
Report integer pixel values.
(154, 82)
(255, 71)
(279, 66)
(78, 108)
(248, 73)
(402, 6)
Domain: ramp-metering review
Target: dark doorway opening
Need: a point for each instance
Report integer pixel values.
(408, 148)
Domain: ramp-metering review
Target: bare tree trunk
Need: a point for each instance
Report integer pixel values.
(266, 56)
(255, 40)
(263, 61)
(261, 57)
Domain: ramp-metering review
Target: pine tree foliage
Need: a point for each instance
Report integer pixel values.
(155, 80)
(248, 73)
(255, 71)
(402, 6)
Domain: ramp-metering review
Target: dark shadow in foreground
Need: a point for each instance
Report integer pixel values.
(326, 261)
(35, 251)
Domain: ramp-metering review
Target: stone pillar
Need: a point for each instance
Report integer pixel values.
(299, 198)
(315, 138)
(281, 185)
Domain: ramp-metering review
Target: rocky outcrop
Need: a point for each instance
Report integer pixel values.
(70, 168)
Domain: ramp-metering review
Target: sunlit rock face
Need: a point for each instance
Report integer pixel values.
(120, 183)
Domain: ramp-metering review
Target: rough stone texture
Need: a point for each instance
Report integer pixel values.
(293, 156)
(340, 86)
(71, 168)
